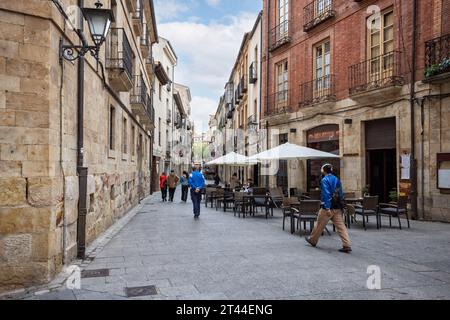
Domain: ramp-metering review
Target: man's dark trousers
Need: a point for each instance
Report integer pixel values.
(196, 199)
(184, 193)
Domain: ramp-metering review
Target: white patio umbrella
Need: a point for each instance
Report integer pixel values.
(233, 159)
(289, 151)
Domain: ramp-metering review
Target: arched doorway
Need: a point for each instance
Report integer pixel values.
(324, 138)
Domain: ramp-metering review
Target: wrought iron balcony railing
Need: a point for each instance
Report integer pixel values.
(139, 93)
(279, 35)
(169, 116)
(119, 54)
(376, 73)
(244, 84)
(252, 119)
(253, 73)
(316, 12)
(320, 90)
(238, 94)
(279, 103)
(437, 56)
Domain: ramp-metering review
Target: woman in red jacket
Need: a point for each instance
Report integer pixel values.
(163, 186)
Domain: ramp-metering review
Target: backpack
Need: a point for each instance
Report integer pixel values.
(336, 201)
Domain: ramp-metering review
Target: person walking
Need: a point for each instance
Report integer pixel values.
(197, 184)
(217, 180)
(172, 182)
(163, 186)
(333, 204)
(184, 181)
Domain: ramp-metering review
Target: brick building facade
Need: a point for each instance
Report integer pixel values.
(337, 77)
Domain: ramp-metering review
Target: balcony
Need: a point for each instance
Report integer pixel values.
(280, 35)
(138, 18)
(131, 4)
(244, 84)
(437, 60)
(169, 116)
(319, 91)
(253, 73)
(119, 60)
(376, 78)
(279, 104)
(178, 121)
(145, 41)
(238, 95)
(317, 12)
(168, 150)
(139, 100)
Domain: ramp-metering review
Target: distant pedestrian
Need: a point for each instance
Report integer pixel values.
(163, 186)
(184, 181)
(234, 182)
(172, 182)
(197, 184)
(333, 204)
(217, 180)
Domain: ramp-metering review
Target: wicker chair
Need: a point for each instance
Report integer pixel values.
(369, 208)
(395, 210)
(288, 212)
(307, 212)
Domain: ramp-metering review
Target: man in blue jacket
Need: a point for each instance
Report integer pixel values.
(197, 184)
(331, 210)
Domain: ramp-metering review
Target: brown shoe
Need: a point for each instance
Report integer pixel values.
(345, 250)
(310, 242)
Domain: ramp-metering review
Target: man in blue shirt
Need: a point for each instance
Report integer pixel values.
(331, 210)
(197, 184)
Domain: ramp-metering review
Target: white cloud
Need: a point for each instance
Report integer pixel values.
(170, 9)
(202, 107)
(213, 3)
(206, 54)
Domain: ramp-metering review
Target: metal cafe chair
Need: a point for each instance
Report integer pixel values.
(307, 211)
(288, 212)
(368, 208)
(395, 210)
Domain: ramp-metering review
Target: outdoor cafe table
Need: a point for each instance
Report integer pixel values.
(267, 201)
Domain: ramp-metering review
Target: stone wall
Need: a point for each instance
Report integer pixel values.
(38, 147)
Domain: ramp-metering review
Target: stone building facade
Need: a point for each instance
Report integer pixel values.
(41, 193)
(337, 76)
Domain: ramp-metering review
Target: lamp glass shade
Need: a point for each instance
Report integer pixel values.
(99, 21)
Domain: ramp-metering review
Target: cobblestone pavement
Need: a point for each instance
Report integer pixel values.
(223, 257)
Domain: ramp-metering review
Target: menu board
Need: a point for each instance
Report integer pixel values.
(444, 178)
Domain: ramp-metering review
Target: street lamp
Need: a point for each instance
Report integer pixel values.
(99, 22)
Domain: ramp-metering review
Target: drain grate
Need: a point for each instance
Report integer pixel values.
(95, 273)
(141, 291)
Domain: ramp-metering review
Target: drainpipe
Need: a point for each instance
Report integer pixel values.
(267, 79)
(82, 171)
(422, 160)
(260, 86)
(412, 106)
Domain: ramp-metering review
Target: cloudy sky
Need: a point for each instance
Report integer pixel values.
(206, 35)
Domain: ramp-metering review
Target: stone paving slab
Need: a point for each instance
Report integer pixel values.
(223, 257)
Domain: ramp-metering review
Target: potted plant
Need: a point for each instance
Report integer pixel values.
(393, 195)
(365, 191)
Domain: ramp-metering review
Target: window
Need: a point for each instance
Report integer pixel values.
(112, 127)
(322, 6)
(133, 140)
(124, 136)
(159, 132)
(322, 63)
(283, 12)
(160, 92)
(282, 84)
(381, 42)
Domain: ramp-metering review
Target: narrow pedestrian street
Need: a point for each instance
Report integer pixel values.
(225, 257)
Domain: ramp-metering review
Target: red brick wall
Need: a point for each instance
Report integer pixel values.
(347, 32)
(445, 20)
